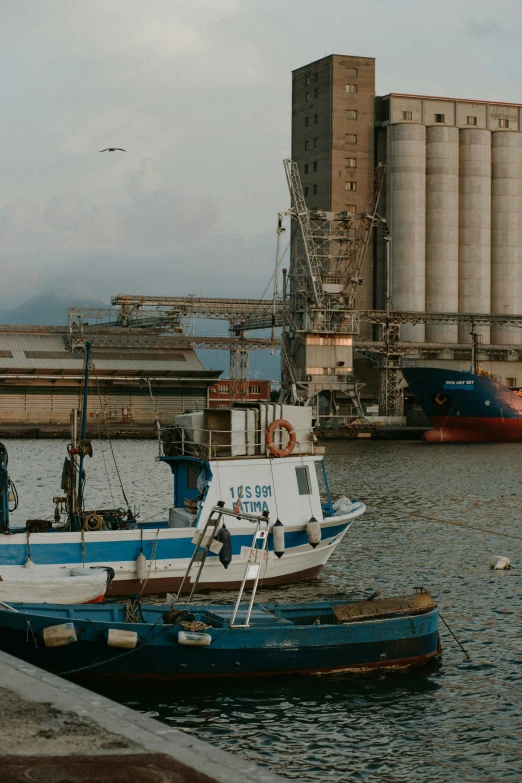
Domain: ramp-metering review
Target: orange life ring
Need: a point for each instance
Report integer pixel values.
(277, 452)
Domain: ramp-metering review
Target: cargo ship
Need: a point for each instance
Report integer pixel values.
(466, 407)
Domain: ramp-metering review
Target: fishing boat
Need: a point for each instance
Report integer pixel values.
(186, 639)
(54, 585)
(258, 459)
(323, 637)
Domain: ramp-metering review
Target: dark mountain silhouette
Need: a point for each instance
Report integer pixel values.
(45, 309)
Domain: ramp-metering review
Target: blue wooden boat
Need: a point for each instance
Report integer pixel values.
(131, 639)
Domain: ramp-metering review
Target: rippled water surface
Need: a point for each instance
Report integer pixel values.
(461, 721)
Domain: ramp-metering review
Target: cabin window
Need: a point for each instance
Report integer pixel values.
(193, 472)
(303, 480)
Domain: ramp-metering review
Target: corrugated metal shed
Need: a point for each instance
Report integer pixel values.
(22, 351)
(135, 376)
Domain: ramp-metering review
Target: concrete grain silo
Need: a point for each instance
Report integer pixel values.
(506, 232)
(442, 229)
(406, 212)
(475, 228)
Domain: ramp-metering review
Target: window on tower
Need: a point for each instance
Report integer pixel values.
(503, 123)
(351, 114)
(350, 186)
(350, 138)
(351, 88)
(407, 115)
(351, 72)
(440, 118)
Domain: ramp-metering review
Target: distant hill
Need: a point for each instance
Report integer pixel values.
(45, 309)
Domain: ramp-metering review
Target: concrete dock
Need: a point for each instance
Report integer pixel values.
(53, 729)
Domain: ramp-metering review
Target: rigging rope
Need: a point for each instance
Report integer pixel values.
(105, 463)
(269, 301)
(108, 436)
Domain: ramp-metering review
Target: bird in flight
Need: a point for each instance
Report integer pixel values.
(113, 149)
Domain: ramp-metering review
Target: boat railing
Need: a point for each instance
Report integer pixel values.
(212, 443)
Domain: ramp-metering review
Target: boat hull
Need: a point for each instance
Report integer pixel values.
(52, 585)
(465, 408)
(168, 552)
(390, 643)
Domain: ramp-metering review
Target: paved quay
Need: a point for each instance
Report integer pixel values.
(53, 729)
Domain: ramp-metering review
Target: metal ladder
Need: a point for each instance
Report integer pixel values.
(252, 570)
(206, 539)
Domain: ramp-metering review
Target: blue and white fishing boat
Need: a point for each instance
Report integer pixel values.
(257, 460)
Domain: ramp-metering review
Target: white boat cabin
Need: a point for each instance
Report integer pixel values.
(222, 455)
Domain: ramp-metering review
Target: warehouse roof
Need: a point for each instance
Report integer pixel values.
(43, 350)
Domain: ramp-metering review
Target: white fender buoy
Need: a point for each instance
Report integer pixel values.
(313, 532)
(58, 635)
(117, 638)
(194, 639)
(141, 567)
(28, 563)
(500, 563)
(278, 538)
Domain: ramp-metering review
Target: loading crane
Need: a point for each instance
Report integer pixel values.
(320, 320)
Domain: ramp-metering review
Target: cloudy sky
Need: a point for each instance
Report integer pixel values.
(198, 92)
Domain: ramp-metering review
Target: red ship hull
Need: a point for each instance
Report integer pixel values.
(473, 429)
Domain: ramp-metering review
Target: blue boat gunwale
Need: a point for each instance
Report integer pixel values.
(278, 616)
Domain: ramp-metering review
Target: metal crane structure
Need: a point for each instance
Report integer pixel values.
(159, 323)
(319, 316)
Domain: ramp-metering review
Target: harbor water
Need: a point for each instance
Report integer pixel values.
(460, 720)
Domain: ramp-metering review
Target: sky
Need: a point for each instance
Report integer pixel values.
(198, 93)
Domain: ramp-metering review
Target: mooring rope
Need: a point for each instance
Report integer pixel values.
(489, 530)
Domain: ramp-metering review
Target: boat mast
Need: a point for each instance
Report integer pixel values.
(83, 431)
(474, 350)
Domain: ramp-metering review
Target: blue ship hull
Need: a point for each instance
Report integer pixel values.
(463, 407)
(282, 639)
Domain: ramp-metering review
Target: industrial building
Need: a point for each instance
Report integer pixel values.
(131, 380)
(452, 198)
(221, 394)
